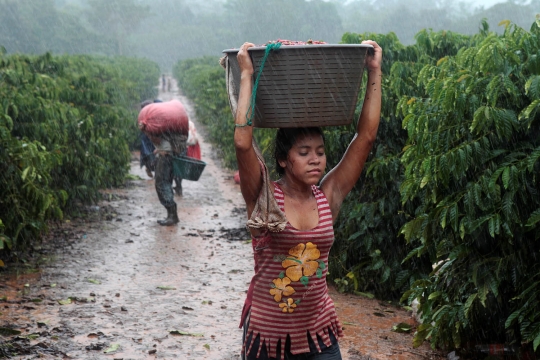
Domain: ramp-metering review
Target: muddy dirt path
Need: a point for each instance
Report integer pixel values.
(116, 285)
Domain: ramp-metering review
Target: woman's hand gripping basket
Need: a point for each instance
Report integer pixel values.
(302, 85)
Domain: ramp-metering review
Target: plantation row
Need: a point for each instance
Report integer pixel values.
(66, 124)
(453, 180)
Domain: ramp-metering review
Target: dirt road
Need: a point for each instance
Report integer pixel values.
(116, 285)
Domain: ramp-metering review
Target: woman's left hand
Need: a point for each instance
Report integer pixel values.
(374, 62)
(244, 60)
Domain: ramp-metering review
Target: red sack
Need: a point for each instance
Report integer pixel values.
(169, 116)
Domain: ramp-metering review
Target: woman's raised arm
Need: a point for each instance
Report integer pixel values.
(341, 179)
(248, 164)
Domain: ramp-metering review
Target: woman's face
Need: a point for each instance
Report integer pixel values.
(306, 159)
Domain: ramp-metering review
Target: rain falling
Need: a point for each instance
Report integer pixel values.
(342, 176)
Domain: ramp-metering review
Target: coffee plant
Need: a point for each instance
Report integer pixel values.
(66, 123)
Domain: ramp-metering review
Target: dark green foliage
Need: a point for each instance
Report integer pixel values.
(66, 123)
(472, 171)
(367, 254)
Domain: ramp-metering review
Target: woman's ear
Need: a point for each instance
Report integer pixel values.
(282, 163)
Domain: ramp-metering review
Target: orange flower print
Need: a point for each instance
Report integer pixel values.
(281, 288)
(288, 307)
(302, 261)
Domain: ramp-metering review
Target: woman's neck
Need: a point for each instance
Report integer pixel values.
(295, 190)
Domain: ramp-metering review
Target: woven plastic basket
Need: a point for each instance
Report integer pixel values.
(304, 85)
(187, 168)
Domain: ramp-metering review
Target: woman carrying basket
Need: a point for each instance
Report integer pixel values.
(288, 313)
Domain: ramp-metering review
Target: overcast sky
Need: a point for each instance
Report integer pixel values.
(486, 3)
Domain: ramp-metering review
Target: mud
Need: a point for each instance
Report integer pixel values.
(113, 284)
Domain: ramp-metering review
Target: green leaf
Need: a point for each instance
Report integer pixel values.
(468, 305)
(442, 217)
(454, 219)
(8, 331)
(364, 294)
(25, 173)
(65, 302)
(94, 281)
(422, 333)
(491, 226)
(31, 336)
(424, 182)
(402, 328)
(536, 341)
(4, 240)
(511, 318)
(164, 287)
(534, 218)
(462, 229)
(112, 348)
(506, 177)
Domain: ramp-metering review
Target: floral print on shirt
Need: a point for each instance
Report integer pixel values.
(301, 263)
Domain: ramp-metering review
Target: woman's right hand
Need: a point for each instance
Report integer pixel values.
(244, 60)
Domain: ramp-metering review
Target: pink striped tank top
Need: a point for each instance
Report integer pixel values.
(288, 294)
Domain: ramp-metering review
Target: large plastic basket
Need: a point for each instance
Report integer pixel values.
(187, 168)
(304, 85)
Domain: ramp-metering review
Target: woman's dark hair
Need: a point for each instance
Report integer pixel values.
(286, 138)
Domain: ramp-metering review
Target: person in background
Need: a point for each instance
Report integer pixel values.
(288, 313)
(165, 146)
(147, 157)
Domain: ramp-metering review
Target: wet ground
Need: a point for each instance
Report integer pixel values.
(113, 284)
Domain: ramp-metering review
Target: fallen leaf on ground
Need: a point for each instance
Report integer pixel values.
(402, 328)
(8, 331)
(185, 333)
(31, 336)
(364, 294)
(166, 287)
(112, 348)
